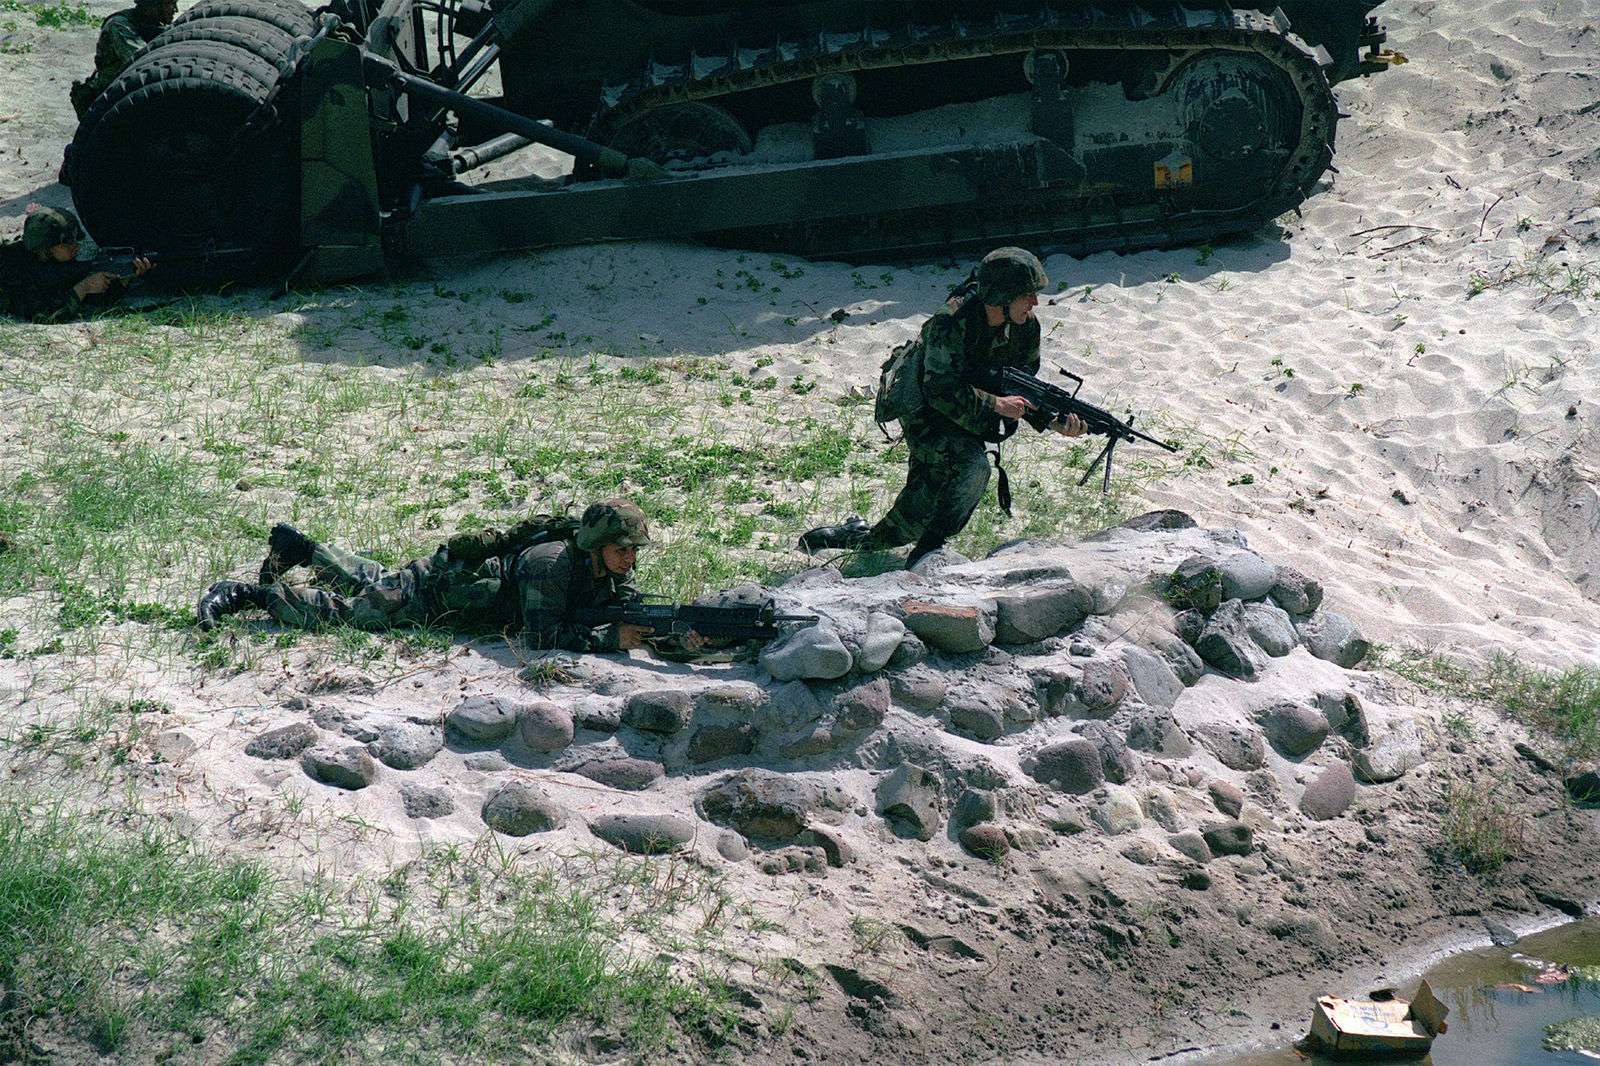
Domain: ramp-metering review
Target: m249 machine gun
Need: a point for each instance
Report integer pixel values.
(330, 142)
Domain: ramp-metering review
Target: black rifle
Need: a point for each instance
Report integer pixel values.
(740, 621)
(1058, 403)
(120, 262)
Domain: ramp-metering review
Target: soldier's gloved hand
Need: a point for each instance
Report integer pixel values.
(691, 641)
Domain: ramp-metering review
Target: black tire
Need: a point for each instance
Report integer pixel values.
(259, 38)
(288, 15)
(164, 162)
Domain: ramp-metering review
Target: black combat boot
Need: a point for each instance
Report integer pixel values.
(851, 534)
(287, 548)
(228, 597)
(925, 545)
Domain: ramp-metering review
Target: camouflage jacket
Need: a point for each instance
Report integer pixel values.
(122, 37)
(958, 337)
(557, 577)
(26, 295)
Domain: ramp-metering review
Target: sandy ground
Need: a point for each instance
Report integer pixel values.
(1395, 388)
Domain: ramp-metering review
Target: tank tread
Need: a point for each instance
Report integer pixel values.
(1081, 221)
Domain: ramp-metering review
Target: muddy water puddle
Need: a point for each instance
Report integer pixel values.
(1500, 999)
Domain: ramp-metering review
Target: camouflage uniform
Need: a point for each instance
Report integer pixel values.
(122, 37)
(36, 291)
(949, 462)
(360, 592)
(529, 577)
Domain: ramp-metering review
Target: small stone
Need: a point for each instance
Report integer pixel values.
(985, 841)
(545, 726)
(519, 808)
(483, 719)
(422, 802)
(1073, 766)
(348, 767)
(664, 711)
(644, 833)
(628, 774)
(1330, 794)
(285, 742)
(1229, 838)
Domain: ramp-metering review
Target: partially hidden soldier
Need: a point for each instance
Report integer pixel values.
(948, 465)
(123, 36)
(527, 578)
(35, 286)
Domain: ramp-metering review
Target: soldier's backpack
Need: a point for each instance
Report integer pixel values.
(474, 547)
(900, 383)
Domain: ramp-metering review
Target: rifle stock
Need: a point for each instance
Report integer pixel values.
(737, 621)
(1058, 402)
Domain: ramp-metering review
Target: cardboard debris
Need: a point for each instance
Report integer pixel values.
(1353, 1027)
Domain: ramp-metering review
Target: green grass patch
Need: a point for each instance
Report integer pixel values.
(147, 943)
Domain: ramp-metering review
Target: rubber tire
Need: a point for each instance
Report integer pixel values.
(259, 38)
(147, 166)
(288, 15)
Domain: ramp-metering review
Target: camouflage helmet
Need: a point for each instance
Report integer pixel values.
(614, 521)
(47, 227)
(1007, 273)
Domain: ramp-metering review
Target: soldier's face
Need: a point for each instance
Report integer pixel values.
(62, 253)
(1021, 309)
(618, 558)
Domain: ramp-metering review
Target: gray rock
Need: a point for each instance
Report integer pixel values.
(1119, 812)
(486, 762)
(483, 719)
(1390, 755)
(1295, 592)
(1102, 684)
(975, 805)
(1189, 626)
(1226, 797)
(1346, 715)
(1159, 807)
(815, 741)
(628, 774)
(1246, 576)
(660, 710)
(423, 802)
(1270, 627)
(1153, 677)
(1294, 728)
(977, 719)
(795, 706)
(736, 701)
(1073, 766)
(1116, 762)
(760, 804)
(518, 808)
(1192, 844)
(1036, 614)
(1226, 644)
(910, 652)
(285, 742)
(713, 743)
(917, 689)
(1179, 655)
(545, 726)
(863, 706)
(1330, 795)
(1235, 748)
(813, 652)
(908, 799)
(1195, 584)
(602, 714)
(838, 850)
(644, 833)
(1157, 732)
(883, 636)
(985, 841)
(732, 846)
(1229, 838)
(346, 767)
(1333, 637)
(406, 745)
(951, 628)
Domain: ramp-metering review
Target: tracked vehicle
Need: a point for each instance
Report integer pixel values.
(323, 144)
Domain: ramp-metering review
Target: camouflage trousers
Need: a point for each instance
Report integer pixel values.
(356, 591)
(945, 478)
